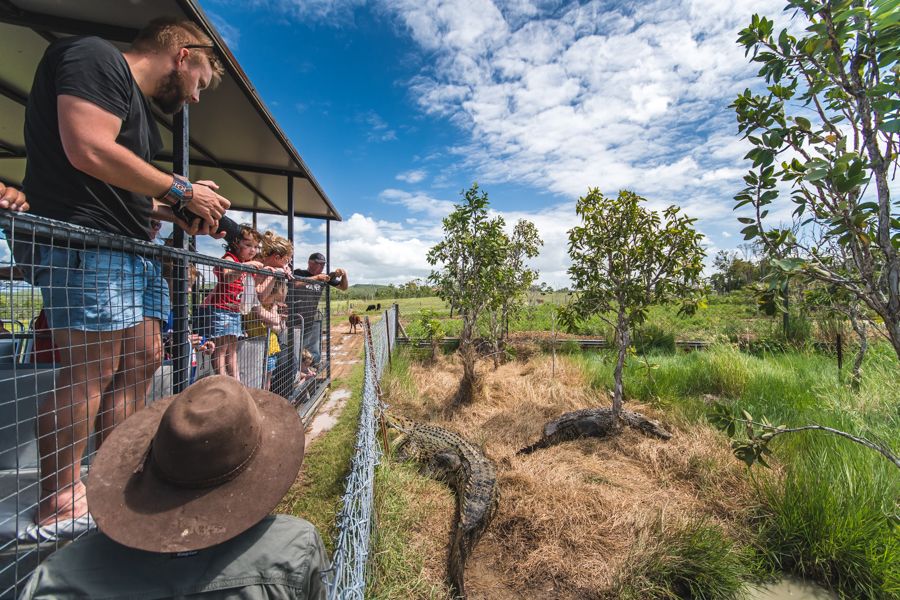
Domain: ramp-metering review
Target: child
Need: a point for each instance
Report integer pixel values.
(265, 318)
(307, 373)
(220, 312)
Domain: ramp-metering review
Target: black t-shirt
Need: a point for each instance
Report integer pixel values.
(94, 70)
(303, 297)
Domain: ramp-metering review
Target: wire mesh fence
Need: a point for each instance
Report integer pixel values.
(346, 580)
(95, 326)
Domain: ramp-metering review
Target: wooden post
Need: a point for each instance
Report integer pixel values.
(387, 332)
(840, 353)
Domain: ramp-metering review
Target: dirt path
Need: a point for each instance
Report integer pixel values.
(346, 353)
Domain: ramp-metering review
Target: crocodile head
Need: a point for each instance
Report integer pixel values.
(398, 422)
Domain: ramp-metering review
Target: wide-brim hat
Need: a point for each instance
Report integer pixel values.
(196, 469)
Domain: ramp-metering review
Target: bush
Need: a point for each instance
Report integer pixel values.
(688, 560)
(833, 518)
(653, 338)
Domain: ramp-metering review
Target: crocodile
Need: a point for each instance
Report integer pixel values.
(592, 422)
(450, 458)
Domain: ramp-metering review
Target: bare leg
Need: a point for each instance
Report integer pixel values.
(65, 418)
(220, 354)
(141, 356)
(233, 358)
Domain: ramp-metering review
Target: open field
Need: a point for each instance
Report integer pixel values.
(634, 517)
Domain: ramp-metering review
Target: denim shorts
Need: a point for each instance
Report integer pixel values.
(94, 289)
(213, 323)
(271, 363)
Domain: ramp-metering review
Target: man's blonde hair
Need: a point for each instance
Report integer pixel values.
(167, 33)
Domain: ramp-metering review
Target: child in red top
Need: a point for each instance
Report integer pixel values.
(221, 309)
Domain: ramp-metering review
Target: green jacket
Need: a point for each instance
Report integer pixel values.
(281, 557)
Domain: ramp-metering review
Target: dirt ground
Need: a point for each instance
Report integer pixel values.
(571, 516)
(346, 353)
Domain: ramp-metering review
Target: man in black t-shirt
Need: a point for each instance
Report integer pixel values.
(90, 136)
(303, 301)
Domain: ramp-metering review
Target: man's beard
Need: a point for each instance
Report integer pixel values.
(171, 94)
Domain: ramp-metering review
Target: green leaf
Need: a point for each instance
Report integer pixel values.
(803, 123)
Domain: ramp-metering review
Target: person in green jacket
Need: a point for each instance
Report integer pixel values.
(181, 492)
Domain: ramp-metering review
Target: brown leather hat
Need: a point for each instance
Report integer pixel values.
(196, 469)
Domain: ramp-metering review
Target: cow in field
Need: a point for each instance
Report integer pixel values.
(378, 306)
(370, 307)
(354, 321)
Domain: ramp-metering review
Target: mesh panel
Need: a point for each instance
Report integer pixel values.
(354, 523)
(97, 326)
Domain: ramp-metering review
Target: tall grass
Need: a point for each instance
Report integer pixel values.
(833, 517)
(693, 559)
(831, 513)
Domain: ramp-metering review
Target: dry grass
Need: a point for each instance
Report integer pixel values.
(570, 514)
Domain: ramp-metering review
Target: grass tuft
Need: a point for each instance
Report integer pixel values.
(687, 559)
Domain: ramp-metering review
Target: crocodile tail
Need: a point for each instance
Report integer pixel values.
(456, 565)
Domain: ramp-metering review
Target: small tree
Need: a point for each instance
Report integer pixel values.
(472, 255)
(432, 330)
(841, 79)
(626, 258)
(514, 280)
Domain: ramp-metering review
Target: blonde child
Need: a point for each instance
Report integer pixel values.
(265, 318)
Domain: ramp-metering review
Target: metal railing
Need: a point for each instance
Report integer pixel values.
(86, 356)
(346, 579)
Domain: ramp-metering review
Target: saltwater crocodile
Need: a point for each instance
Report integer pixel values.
(450, 458)
(592, 422)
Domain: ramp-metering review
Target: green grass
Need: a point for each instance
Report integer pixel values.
(396, 568)
(834, 515)
(725, 317)
(687, 560)
(327, 462)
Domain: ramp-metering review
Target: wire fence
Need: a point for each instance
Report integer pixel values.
(346, 580)
(95, 326)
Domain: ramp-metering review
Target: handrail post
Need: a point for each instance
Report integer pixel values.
(181, 344)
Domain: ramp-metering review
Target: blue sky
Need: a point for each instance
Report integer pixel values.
(399, 105)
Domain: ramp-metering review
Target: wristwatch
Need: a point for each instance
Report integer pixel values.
(180, 193)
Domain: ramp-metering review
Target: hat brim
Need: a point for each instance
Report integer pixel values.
(141, 511)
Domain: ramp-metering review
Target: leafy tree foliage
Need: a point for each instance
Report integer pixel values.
(514, 279)
(473, 257)
(626, 258)
(432, 330)
(840, 79)
(733, 272)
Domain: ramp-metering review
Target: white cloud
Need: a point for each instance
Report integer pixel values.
(418, 202)
(229, 33)
(591, 94)
(413, 176)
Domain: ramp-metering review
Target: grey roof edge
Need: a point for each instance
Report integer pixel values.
(196, 13)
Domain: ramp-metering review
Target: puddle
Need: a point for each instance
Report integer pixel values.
(790, 588)
(327, 415)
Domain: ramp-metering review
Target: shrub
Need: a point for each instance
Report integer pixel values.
(687, 560)
(653, 338)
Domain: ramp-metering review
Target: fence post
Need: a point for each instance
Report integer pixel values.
(396, 322)
(387, 333)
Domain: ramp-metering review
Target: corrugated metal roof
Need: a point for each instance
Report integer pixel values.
(235, 141)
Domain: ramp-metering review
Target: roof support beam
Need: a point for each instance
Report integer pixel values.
(12, 14)
(237, 176)
(13, 94)
(237, 166)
